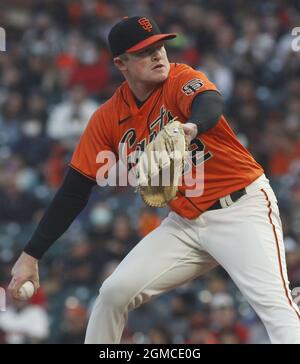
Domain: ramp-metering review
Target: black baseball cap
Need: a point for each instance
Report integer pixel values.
(133, 34)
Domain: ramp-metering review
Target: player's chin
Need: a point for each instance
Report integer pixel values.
(160, 76)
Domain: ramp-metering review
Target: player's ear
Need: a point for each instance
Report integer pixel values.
(120, 63)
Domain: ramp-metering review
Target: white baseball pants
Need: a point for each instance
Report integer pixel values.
(244, 238)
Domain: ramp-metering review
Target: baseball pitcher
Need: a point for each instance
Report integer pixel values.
(231, 220)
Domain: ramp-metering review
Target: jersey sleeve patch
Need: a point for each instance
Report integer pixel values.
(192, 86)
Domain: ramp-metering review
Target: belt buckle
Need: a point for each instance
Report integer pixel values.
(230, 199)
(226, 201)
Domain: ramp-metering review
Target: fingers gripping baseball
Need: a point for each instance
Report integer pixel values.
(25, 270)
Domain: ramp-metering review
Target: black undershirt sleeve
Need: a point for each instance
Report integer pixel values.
(66, 205)
(207, 107)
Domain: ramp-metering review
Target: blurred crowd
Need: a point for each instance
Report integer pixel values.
(55, 72)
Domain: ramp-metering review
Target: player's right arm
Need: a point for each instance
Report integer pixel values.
(69, 201)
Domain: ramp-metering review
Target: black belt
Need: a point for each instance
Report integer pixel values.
(234, 197)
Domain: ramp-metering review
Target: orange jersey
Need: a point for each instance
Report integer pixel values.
(227, 165)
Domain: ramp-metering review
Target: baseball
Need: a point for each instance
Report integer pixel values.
(26, 291)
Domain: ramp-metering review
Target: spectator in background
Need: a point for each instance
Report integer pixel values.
(10, 119)
(92, 70)
(73, 322)
(148, 221)
(24, 323)
(101, 219)
(12, 79)
(223, 320)
(159, 336)
(68, 119)
(217, 73)
(37, 109)
(34, 145)
(80, 264)
(123, 231)
(18, 204)
(253, 48)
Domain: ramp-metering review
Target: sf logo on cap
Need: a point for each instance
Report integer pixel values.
(145, 23)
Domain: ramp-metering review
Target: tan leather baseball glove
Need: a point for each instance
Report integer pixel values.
(161, 165)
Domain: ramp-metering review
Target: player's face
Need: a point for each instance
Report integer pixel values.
(150, 65)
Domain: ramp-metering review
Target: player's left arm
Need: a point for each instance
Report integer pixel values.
(197, 99)
(206, 110)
